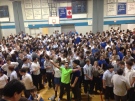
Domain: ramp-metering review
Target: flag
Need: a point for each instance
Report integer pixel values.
(69, 12)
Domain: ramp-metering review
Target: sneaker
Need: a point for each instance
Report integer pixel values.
(58, 99)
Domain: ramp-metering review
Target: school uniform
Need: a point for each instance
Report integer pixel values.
(129, 74)
(5, 67)
(13, 75)
(3, 82)
(57, 76)
(107, 76)
(37, 80)
(87, 69)
(49, 74)
(28, 83)
(121, 86)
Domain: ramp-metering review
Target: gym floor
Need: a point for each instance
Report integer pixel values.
(46, 93)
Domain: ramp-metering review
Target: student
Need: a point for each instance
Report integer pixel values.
(13, 91)
(13, 73)
(3, 81)
(96, 76)
(65, 79)
(27, 81)
(34, 96)
(26, 64)
(88, 77)
(7, 64)
(57, 77)
(75, 81)
(107, 84)
(49, 72)
(130, 76)
(35, 69)
(121, 86)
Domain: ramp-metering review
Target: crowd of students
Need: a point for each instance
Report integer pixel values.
(102, 62)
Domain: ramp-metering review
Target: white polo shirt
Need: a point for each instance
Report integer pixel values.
(88, 70)
(129, 74)
(121, 85)
(27, 80)
(34, 66)
(3, 81)
(57, 72)
(107, 76)
(13, 75)
(5, 67)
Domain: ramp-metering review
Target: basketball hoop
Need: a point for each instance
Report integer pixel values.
(54, 20)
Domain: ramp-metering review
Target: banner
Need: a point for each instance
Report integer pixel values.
(45, 13)
(122, 0)
(131, 8)
(111, 1)
(37, 13)
(121, 8)
(62, 12)
(65, 12)
(29, 14)
(111, 9)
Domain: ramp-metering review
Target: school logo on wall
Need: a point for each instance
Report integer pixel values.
(65, 12)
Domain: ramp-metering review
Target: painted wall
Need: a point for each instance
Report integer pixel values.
(82, 22)
(122, 20)
(8, 28)
(77, 19)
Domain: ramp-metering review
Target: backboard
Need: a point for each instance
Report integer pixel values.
(54, 20)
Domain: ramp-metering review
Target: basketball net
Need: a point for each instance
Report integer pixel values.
(53, 24)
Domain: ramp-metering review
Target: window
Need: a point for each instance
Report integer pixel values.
(4, 11)
(79, 7)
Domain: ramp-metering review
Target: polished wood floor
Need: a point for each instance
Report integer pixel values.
(46, 93)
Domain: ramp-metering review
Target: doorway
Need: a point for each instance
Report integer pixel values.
(67, 28)
(34, 32)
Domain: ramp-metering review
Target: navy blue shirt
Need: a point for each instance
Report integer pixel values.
(100, 62)
(42, 63)
(103, 44)
(94, 50)
(77, 40)
(74, 75)
(117, 48)
(121, 55)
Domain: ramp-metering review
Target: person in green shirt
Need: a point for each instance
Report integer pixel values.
(65, 78)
